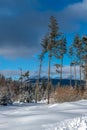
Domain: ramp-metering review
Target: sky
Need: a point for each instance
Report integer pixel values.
(23, 23)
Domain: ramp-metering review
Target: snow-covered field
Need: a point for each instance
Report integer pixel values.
(65, 116)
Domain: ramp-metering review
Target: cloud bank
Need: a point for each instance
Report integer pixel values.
(23, 23)
(34, 74)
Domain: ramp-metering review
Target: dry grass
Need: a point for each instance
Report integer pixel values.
(68, 94)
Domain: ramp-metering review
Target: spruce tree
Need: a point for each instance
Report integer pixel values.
(77, 55)
(48, 44)
(70, 54)
(84, 56)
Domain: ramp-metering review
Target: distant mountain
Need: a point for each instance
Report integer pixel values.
(56, 81)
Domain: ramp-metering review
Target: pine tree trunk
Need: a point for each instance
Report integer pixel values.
(36, 92)
(40, 71)
(80, 74)
(37, 83)
(21, 81)
(61, 71)
(70, 75)
(48, 86)
(86, 83)
(49, 68)
(75, 73)
(86, 75)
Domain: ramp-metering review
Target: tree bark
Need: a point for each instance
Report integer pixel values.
(40, 66)
(61, 71)
(48, 86)
(86, 75)
(70, 75)
(80, 73)
(75, 73)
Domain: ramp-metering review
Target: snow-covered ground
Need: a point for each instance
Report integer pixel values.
(65, 116)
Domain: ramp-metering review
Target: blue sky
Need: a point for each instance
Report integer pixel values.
(23, 23)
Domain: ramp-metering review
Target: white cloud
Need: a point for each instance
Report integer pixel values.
(54, 74)
(70, 17)
(13, 52)
(44, 73)
(78, 10)
(24, 32)
(15, 74)
(10, 72)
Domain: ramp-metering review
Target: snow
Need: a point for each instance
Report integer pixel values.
(40, 116)
(79, 123)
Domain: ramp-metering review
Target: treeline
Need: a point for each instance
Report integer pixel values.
(54, 44)
(21, 90)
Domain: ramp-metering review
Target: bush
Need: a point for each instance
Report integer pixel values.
(67, 94)
(5, 100)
